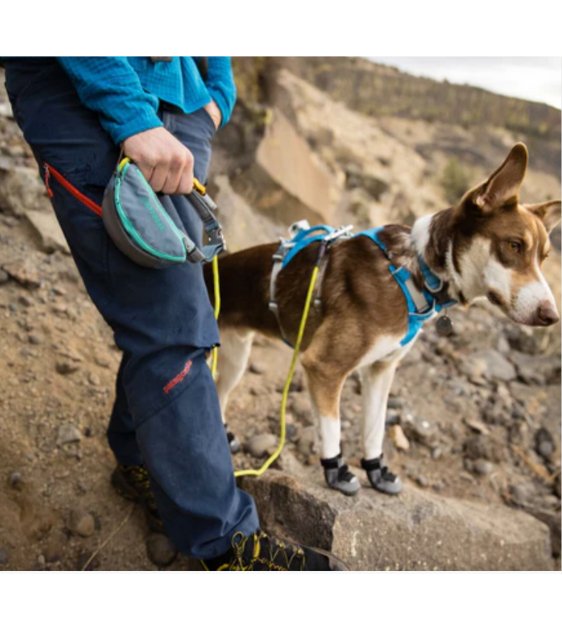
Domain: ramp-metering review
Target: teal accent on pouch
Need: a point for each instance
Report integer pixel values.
(139, 225)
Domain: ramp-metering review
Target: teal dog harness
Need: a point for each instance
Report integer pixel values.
(422, 305)
(303, 237)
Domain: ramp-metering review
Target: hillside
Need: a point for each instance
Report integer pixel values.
(378, 90)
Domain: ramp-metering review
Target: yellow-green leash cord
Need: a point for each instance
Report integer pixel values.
(217, 298)
(283, 420)
(288, 381)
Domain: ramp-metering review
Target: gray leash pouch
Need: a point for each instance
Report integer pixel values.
(146, 228)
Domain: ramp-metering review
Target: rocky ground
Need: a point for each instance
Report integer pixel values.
(473, 420)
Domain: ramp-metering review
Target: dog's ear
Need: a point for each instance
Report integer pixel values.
(502, 187)
(548, 212)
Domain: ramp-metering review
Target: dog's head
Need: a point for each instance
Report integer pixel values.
(499, 245)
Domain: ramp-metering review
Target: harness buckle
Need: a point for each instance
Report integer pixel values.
(344, 230)
(436, 289)
(299, 226)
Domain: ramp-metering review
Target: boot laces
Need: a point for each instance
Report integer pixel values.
(140, 478)
(267, 551)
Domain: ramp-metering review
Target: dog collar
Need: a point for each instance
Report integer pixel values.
(422, 304)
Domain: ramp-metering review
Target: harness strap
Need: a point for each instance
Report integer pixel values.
(303, 238)
(418, 297)
(317, 297)
(288, 249)
(422, 304)
(321, 263)
(273, 305)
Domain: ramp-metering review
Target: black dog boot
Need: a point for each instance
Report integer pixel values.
(233, 442)
(339, 477)
(380, 477)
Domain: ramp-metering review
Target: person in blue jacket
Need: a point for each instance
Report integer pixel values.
(78, 114)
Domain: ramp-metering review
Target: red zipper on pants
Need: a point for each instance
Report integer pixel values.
(61, 179)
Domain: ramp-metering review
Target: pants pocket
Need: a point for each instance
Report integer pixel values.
(195, 131)
(52, 172)
(79, 216)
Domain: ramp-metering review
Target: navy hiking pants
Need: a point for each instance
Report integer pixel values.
(166, 413)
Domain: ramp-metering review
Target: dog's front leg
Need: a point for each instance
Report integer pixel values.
(376, 382)
(325, 382)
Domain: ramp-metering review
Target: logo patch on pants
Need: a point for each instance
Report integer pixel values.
(178, 378)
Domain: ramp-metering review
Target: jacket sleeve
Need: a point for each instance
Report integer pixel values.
(110, 87)
(220, 85)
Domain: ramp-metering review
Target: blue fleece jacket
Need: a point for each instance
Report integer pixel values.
(126, 91)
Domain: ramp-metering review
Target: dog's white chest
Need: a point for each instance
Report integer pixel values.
(386, 348)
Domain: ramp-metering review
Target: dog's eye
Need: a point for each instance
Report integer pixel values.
(516, 246)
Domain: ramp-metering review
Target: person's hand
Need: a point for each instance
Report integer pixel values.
(214, 112)
(162, 159)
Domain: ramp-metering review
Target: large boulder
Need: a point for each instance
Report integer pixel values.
(287, 180)
(242, 226)
(416, 530)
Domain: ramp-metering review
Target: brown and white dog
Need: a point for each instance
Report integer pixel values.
(487, 245)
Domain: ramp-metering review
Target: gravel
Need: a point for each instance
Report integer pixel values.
(67, 434)
(82, 523)
(307, 441)
(256, 368)
(15, 480)
(482, 467)
(261, 445)
(160, 550)
(544, 444)
(66, 367)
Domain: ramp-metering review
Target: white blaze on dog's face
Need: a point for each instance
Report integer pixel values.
(499, 245)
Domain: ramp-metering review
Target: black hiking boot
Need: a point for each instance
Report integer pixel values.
(133, 483)
(262, 552)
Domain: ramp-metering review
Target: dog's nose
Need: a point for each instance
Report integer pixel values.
(547, 314)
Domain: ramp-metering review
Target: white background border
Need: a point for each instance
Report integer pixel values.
(166, 600)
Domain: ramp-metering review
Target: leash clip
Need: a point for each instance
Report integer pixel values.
(344, 230)
(205, 208)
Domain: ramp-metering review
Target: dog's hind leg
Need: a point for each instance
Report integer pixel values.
(376, 382)
(325, 381)
(234, 353)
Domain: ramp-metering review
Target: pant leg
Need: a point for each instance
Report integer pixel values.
(121, 434)
(162, 320)
(196, 133)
